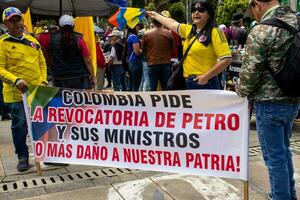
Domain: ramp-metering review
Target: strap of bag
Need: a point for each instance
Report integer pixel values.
(188, 49)
(280, 24)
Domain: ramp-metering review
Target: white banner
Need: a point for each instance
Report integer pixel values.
(200, 132)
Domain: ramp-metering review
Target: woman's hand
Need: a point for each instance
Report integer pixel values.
(201, 80)
(152, 14)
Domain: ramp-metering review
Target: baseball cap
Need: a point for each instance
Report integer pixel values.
(115, 33)
(248, 12)
(10, 12)
(66, 20)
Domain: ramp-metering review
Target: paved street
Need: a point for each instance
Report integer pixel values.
(89, 182)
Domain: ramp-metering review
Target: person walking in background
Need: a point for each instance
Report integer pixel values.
(135, 60)
(209, 54)
(115, 61)
(106, 50)
(21, 63)
(237, 35)
(72, 67)
(100, 61)
(274, 111)
(157, 46)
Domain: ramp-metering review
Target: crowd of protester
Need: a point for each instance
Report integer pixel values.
(140, 58)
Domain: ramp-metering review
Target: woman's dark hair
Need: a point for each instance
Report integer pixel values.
(132, 30)
(210, 24)
(69, 40)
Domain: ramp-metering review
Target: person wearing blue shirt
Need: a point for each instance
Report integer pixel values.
(134, 58)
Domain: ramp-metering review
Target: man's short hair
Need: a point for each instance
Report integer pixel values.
(156, 23)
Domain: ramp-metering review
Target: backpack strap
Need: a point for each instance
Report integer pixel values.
(280, 24)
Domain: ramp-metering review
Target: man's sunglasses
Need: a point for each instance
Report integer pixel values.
(199, 9)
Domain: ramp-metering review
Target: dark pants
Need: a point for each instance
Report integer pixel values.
(159, 73)
(19, 129)
(213, 84)
(3, 108)
(136, 73)
(75, 83)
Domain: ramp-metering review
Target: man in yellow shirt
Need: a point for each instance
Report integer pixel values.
(21, 63)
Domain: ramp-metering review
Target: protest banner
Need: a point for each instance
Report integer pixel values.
(200, 132)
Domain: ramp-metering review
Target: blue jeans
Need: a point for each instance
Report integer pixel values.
(19, 129)
(213, 84)
(159, 73)
(145, 84)
(274, 123)
(118, 75)
(136, 73)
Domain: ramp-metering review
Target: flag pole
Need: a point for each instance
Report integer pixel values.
(246, 190)
(29, 125)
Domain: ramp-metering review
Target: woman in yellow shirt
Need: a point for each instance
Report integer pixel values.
(210, 53)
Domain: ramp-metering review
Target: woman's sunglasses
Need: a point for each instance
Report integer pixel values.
(199, 9)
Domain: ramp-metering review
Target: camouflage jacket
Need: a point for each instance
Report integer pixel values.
(266, 45)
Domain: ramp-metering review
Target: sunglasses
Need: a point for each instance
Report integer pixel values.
(252, 4)
(199, 9)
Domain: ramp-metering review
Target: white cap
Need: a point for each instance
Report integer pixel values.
(66, 20)
(115, 33)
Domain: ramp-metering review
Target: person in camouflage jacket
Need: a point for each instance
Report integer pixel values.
(275, 112)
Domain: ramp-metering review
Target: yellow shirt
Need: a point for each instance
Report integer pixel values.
(201, 58)
(18, 60)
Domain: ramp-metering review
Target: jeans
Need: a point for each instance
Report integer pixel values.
(274, 123)
(75, 83)
(136, 73)
(159, 73)
(118, 75)
(213, 84)
(19, 129)
(145, 84)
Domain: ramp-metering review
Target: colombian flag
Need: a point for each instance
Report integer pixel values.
(127, 16)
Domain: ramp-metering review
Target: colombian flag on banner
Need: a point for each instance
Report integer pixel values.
(127, 16)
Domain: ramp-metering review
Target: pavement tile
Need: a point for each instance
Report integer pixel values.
(18, 194)
(145, 174)
(80, 168)
(47, 172)
(108, 180)
(72, 185)
(144, 189)
(2, 172)
(185, 191)
(92, 193)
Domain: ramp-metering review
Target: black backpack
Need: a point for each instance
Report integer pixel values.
(288, 78)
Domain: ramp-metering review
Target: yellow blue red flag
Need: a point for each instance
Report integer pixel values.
(127, 16)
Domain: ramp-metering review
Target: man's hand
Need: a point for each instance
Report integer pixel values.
(22, 85)
(93, 81)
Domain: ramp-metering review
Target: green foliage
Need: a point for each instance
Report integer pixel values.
(227, 7)
(151, 6)
(138, 3)
(177, 11)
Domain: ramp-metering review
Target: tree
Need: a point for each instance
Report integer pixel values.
(228, 7)
(138, 3)
(177, 11)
